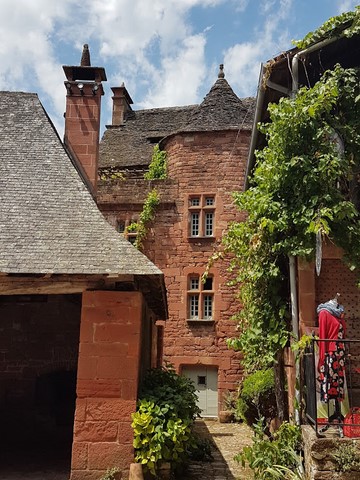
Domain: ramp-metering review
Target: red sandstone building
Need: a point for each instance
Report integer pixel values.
(207, 147)
(78, 303)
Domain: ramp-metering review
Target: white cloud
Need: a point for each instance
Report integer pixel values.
(149, 45)
(180, 77)
(243, 60)
(347, 5)
(27, 56)
(241, 5)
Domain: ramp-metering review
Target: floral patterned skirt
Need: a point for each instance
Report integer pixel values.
(332, 375)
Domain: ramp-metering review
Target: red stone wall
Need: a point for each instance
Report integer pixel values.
(108, 374)
(198, 163)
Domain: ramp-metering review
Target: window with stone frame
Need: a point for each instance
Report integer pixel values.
(122, 226)
(200, 298)
(201, 215)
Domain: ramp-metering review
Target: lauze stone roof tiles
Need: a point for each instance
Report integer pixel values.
(131, 144)
(49, 222)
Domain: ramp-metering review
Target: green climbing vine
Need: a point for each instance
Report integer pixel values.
(158, 165)
(157, 170)
(347, 24)
(306, 182)
(145, 218)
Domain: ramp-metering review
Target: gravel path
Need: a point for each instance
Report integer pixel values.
(227, 439)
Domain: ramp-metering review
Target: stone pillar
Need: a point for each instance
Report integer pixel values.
(306, 292)
(107, 383)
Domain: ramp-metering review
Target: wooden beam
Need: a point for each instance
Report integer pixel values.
(57, 284)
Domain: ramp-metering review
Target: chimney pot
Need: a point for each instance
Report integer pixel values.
(121, 104)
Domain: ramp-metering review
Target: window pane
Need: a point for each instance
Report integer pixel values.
(208, 285)
(209, 224)
(202, 380)
(132, 238)
(120, 226)
(208, 307)
(195, 224)
(209, 201)
(194, 283)
(194, 202)
(194, 306)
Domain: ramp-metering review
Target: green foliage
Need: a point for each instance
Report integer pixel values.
(111, 173)
(347, 24)
(269, 458)
(158, 165)
(164, 385)
(111, 474)
(257, 397)
(163, 420)
(146, 217)
(299, 348)
(305, 182)
(347, 457)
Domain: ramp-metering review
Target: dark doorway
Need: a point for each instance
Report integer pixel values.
(39, 339)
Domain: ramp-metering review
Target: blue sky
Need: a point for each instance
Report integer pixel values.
(166, 51)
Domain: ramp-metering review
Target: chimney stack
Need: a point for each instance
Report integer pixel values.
(82, 118)
(121, 104)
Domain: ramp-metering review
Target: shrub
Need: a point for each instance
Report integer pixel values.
(111, 474)
(257, 397)
(346, 457)
(163, 420)
(271, 459)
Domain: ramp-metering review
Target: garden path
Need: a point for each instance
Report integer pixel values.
(228, 439)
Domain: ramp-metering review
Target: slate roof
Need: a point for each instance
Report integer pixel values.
(130, 145)
(49, 222)
(222, 109)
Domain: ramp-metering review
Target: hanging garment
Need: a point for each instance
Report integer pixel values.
(331, 365)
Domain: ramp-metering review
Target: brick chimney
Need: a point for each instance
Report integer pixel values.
(82, 118)
(121, 104)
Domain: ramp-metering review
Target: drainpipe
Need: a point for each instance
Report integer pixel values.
(302, 54)
(257, 118)
(294, 326)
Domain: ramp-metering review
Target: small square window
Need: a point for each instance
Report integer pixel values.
(195, 202)
(208, 285)
(201, 380)
(120, 226)
(209, 201)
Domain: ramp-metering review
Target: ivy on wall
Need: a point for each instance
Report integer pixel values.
(158, 165)
(157, 171)
(145, 218)
(306, 182)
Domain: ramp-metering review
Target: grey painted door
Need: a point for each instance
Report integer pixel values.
(205, 379)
